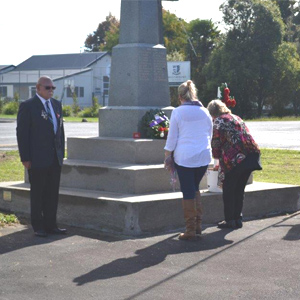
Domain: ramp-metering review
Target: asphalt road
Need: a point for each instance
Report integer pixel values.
(8, 139)
(260, 261)
(277, 135)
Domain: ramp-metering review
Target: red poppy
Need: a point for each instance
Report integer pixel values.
(226, 92)
(228, 100)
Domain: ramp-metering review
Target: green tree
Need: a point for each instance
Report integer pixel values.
(16, 97)
(94, 42)
(203, 36)
(107, 34)
(246, 60)
(175, 38)
(75, 105)
(290, 10)
(286, 80)
(111, 38)
(175, 56)
(96, 105)
(214, 74)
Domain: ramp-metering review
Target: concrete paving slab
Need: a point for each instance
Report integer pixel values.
(259, 261)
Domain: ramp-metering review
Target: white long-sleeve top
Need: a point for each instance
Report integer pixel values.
(190, 136)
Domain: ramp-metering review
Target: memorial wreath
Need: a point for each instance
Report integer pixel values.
(155, 124)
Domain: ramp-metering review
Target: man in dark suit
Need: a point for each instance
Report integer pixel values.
(41, 142)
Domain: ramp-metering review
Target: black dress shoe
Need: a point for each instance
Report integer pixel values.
(239, 223)
(229, 224)
(57, 231)
(41, 233)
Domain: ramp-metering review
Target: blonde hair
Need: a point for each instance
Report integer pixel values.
(188, 91)
(217, 108)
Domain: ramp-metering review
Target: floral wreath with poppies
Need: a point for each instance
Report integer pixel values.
(155, 124)
(225, 91)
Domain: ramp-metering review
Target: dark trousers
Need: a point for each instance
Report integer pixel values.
(189, 179)
(44, 191)
(233, 192)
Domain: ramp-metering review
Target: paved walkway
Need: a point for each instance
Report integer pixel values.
(259, 261)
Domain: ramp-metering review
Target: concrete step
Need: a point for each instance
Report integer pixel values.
(120, 150)
(122, 178)
(126, 164)
(139, 215)
(119, 177)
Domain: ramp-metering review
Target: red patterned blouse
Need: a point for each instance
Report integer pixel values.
(231, 142)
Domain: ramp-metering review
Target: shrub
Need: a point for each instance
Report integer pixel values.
(91, 112)
(10, 108)
(8, 219)
(95, 104)
(67, 110)
(16, 97)
(75, 106)
(86, 112)
(1, 105)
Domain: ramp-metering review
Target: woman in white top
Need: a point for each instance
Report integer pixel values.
(189, 142)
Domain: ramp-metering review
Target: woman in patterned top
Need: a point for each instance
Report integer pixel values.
(238, 156)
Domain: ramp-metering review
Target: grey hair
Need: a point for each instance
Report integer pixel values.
(188, 91)
(217, 108)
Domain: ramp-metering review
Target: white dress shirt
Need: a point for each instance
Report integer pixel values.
(190, 136)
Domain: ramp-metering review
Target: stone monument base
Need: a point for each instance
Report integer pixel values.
(124, 120)
(149, 214)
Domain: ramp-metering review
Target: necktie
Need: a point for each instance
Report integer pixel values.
(49, 114)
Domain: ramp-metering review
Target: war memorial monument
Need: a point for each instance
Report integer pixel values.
(118, 184)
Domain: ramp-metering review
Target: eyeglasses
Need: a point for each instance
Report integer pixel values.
(49, 87)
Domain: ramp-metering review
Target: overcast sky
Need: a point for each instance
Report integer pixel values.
(33, 27)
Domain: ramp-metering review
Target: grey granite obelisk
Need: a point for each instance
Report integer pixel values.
(139, 79)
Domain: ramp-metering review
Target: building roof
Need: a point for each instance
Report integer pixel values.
(60, 61)
(6, 68)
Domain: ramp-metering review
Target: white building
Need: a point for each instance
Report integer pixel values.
(86, 73)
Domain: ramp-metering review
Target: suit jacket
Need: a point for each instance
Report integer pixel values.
(37, 141)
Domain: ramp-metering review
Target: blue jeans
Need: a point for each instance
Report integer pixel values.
(189, 179)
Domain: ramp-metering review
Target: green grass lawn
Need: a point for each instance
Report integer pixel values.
(77, 119)
(291, 118)
(67, 119)
(11, 169)
(279, 166)
(8, 116)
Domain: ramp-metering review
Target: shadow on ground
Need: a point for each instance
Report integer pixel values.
(154, 255)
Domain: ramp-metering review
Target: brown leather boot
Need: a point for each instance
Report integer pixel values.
(189, 212)
(199, 213)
